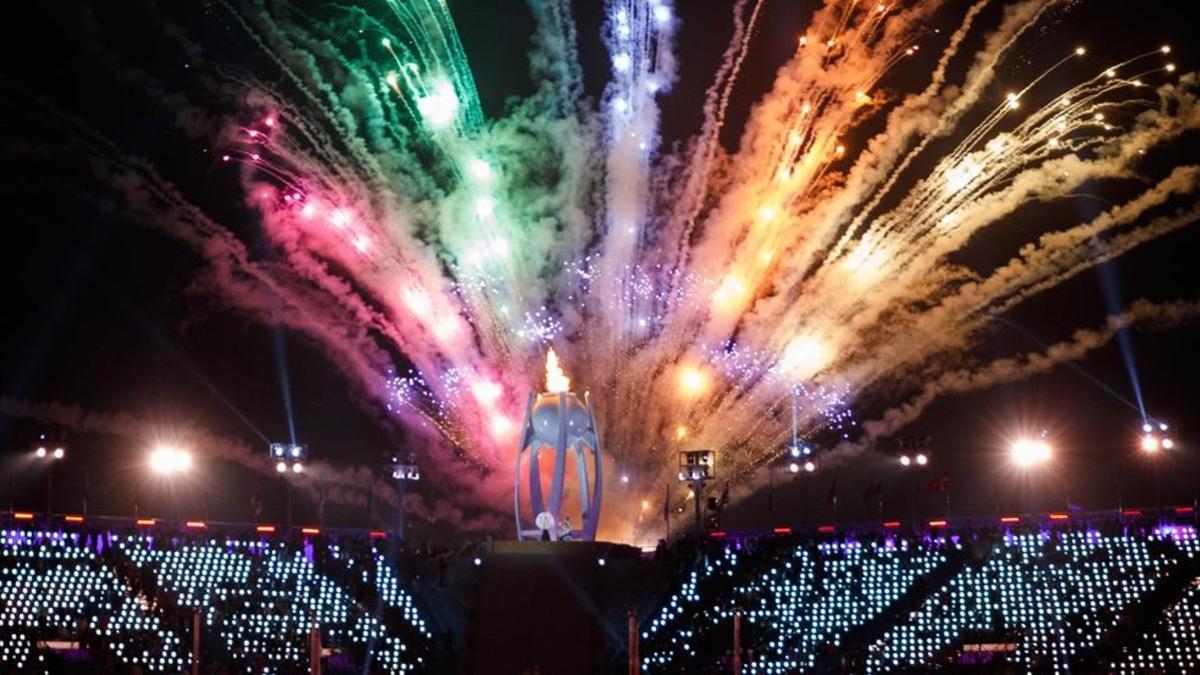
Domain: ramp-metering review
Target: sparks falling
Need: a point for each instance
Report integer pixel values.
(733, 299)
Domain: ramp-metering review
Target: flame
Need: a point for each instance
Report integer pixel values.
(556, 379)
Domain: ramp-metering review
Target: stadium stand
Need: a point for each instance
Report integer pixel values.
(55, 588)
(1050, 600)
(1112, 596)
(263, 599)
(129, 598)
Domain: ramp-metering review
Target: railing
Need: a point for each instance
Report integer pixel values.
(68, 521)
(1168, 515)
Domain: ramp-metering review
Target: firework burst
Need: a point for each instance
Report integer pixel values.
(734, 299)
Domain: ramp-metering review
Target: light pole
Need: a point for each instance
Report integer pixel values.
(914, 463)
(798, 456)
(806, 471)
(403, 473)
(289, 461)
(696, 467)
(52, 453)
(1156, 438)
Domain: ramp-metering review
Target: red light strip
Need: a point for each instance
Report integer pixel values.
(1010, 519)
(891, 524)
(145, 522)
(718, 534)
(21, 515)
(265, 529)
(73, 519)
(937, 523)
(1184, 509)
(310, 530)
(782, 530)
(378, 534)
(826, 529)
(1131, 512)
(195, 524)
(1059, 516)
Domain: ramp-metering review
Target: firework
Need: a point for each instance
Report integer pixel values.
(734, 300)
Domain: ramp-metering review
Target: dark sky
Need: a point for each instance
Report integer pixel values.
(103, 313)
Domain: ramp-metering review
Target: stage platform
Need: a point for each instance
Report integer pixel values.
(594, 549)
(554, 606)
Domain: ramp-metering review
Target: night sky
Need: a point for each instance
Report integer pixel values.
(110, 316)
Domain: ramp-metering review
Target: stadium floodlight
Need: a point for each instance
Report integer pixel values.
(794, 467)
(922, 459)
(405, 470)
(288, 457)
(46, 450)
(810, 466)
(1150, 443)
(905, 460)
(51, 453)
(1029, 452)
(697, 467)
(168, 460)
(1155, 436)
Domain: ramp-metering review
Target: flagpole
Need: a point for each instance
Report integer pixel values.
(667, 510)
(770, 495)
(947, 500)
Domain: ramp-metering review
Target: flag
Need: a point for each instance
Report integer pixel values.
(940, 484)
(873, 491)
(832, 496)
(724, 497)
(321, 504)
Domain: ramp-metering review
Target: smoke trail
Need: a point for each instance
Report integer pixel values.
(1142, 312)
(346, 484)
(433, 254)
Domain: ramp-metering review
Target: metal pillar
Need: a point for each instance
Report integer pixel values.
(635, 659)
(195, 642)
(49, 491)
(400, 491)
(737, 640)
(314, 639)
